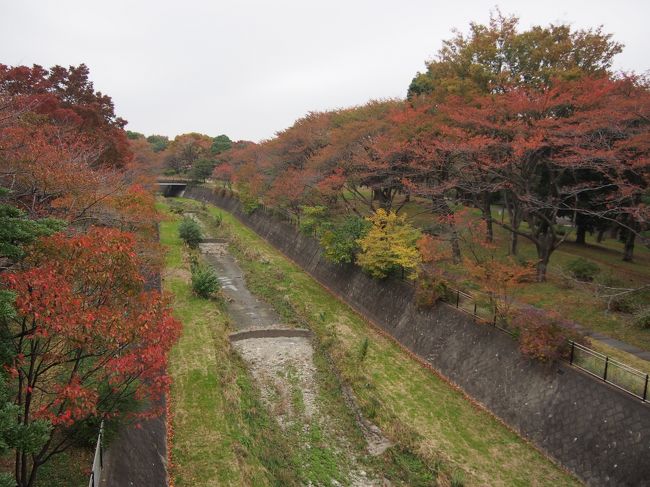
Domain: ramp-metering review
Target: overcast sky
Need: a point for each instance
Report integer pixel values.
(250, 68)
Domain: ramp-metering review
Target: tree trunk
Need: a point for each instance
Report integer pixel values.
(515, 219)
(541, 270)
(383, 198)
(445, 210)
(600, 235)
(581, 234)
(514, 243)
(455, 246)
(544, 247)
(628, 253)
(486, 210)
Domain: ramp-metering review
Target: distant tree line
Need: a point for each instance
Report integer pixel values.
(534, 121)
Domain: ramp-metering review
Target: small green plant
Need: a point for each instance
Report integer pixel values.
(176, 208)
(216, 219)
(190, 232)
(406, 467)
(457, 478)
(363, 349)
(204, 281)
(583, 269)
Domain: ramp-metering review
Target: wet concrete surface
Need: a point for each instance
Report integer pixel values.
(244, 308)
(137, 457)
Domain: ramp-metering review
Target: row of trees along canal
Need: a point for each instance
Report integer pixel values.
(81, 337)
(535, 120)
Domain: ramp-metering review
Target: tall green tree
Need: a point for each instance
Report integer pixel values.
(491, 57)
(16, 230)
(158, 142)
(220, 143)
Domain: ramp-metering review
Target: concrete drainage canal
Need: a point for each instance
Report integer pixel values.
(281, 361)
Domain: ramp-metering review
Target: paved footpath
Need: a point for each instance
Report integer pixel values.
(137, 457)
(614, 343)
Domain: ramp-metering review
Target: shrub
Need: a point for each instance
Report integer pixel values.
(204, 281)
(642, 318)
(583, 269)
(176, 208)
(248, 201)
(542, 335)
(340, 242)
(313, 218)
(626, 303)
(190, 232)
(429, 290)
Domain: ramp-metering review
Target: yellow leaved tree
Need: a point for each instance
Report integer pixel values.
(389, 246)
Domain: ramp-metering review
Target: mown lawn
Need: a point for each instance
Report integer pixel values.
(410, 403)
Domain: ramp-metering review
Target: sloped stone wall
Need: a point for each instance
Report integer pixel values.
(593, 429)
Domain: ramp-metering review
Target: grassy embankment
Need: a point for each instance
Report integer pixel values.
(224, 434)
(411, 404)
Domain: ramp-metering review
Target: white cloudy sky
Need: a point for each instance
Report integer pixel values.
(250, 68)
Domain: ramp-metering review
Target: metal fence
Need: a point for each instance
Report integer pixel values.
(613, 372)
(594, 363)
(98, 461)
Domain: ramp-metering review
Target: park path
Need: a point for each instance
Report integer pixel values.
(138, 455)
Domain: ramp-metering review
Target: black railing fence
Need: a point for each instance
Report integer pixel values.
(596, 364)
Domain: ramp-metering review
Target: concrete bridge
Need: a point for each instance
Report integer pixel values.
(172, 187)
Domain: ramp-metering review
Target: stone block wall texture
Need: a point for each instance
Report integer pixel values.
(596, 431)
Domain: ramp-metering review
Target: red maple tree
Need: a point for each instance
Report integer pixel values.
(87, 338)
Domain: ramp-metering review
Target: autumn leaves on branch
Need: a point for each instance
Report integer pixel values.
(534, 121)
(82, 337)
